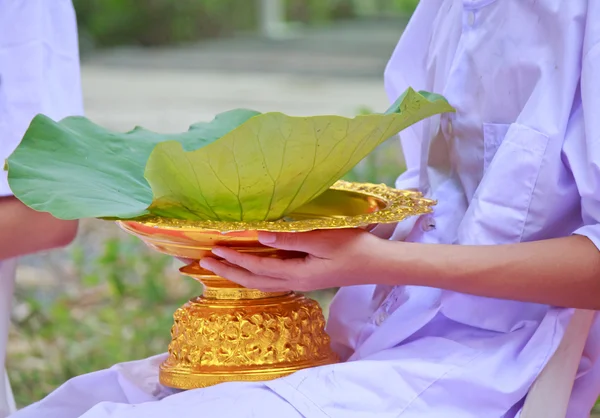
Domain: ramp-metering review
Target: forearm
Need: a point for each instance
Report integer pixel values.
(560, 272)
(24, 231)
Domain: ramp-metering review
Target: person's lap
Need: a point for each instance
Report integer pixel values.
(132, 390)
(457, 374)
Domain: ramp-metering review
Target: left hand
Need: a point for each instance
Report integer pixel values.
(334, 258)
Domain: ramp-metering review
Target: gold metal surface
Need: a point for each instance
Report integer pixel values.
(231, 333)
(344, 205)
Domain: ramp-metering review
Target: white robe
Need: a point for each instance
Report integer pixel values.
(39, 73)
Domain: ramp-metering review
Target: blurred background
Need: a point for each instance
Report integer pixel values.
(166, 64)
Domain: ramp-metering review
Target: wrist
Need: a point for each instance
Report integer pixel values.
(384, 261)
(406, 263)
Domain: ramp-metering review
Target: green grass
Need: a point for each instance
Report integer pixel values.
(119, 310)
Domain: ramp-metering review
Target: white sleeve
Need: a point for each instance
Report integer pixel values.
(406, 68)
(412, 48)
(585, 164)
(39, 68)
(584, 158)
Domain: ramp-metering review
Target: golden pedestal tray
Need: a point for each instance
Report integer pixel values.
(231, 333)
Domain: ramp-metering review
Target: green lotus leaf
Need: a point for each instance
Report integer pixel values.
(76, 169)
(243, 165)
(273, 163)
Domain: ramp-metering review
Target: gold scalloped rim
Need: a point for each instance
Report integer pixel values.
(399, 205)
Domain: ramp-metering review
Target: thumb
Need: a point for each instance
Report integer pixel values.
(306, 242)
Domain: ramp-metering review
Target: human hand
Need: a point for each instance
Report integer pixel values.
(333, 258)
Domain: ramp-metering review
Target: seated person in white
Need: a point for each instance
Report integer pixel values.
(458, 313)
(39, 73)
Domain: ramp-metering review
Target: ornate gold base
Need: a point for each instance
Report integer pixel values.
(238, 334)
(231, 333)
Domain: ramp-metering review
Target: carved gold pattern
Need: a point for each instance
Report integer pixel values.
(248, 340)
(397, 205)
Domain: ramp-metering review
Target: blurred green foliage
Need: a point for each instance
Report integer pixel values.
(120, 309)
(159, 22)
(162, 22)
